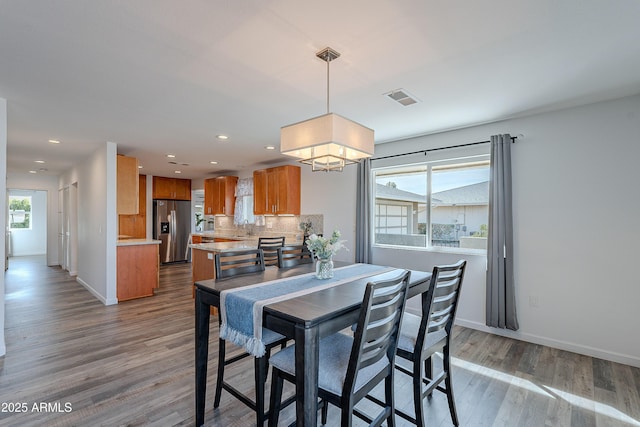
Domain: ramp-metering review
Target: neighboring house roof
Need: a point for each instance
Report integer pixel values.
(474, 194)
(391, 193)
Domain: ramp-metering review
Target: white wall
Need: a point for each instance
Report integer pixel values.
(97, 221)
(50, 185)
(575, 195)
(332, 194)
(3, 211)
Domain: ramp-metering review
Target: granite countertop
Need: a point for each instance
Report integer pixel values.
(133, 242)
(250, 242)
(225, 246)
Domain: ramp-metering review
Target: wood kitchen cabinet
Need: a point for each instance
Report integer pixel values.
(171, 188)
(135, 226)
(220, 195)
(276, 191)
(127, 185)
(137, 272)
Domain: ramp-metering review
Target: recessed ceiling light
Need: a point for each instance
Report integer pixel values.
(213, 162)
(139, 166)
(171, 156)
(270, 147)
(38, 161)
(222, 137)
(178, 171)
(54, 141)
(33, 172)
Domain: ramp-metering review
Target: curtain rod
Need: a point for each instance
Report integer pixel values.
(425, 151)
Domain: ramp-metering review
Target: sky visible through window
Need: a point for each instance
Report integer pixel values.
(443, 180)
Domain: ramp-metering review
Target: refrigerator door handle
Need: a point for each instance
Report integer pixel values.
(173, 234)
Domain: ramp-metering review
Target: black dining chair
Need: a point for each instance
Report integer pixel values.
(422, 336)
(351, 366)
(292, 255)
(270, 246)
(230, 264)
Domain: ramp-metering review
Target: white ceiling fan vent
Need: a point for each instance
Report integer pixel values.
(402, 96)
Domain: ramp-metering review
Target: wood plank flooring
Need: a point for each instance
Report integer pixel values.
(133, 364)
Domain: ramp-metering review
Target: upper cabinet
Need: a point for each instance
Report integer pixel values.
(127, 185)
(171, 188)
(220, 195)
(135, 226)
(276, 191)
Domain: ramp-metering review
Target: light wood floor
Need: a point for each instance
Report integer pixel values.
(133, 364)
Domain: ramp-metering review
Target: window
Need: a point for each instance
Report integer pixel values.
(437, 204)
(19, 212)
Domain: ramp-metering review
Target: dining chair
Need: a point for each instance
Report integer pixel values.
(230, 264)
(351, 366)
(422, 336)
(270, 247)
(292, 255)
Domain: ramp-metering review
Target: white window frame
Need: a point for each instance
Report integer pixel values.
(427, 170)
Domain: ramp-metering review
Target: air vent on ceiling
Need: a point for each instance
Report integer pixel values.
(402, 96)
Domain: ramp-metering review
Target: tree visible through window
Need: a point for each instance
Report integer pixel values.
(20, 212)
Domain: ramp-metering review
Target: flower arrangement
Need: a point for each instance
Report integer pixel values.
(322, 247)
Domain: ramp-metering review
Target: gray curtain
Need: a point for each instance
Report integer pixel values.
(363, 199)
(501, 302)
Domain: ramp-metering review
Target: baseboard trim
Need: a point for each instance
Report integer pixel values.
(549, 342)
(95, 293)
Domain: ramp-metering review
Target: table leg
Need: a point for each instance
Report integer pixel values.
(307, 345)
(203, 316)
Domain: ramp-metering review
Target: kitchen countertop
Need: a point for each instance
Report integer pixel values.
(250, 242)
(134, 242)
(225, 246)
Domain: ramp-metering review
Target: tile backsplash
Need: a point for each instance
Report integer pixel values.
(288, 226)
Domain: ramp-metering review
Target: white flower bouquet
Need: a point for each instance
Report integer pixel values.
(322, 247)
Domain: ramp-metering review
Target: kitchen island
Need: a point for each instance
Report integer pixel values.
(202, 254)
(138, 268)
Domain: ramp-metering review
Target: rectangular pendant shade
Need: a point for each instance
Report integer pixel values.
(327, 142)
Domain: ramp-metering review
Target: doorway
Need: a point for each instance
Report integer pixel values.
(27, 222)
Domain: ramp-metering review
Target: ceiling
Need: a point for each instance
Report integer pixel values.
(165, 77)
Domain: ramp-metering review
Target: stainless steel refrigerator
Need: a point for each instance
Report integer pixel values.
(171, 225)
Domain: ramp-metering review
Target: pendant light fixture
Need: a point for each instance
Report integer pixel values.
(327, 142)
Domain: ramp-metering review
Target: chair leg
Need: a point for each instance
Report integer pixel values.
(417, 391)
(276, 397)
(324, 412)
(260, 373)
(220, 378)
(446, 362)
(390, 402)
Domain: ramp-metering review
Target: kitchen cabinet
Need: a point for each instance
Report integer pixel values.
(138, 269)
(220, 195)
(171, 188)
(127, 185)
(276, 191)
(135, 226)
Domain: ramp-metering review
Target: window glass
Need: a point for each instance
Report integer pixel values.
(19, 212)
(439, 204)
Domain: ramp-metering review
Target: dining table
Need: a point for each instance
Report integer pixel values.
(303, 318)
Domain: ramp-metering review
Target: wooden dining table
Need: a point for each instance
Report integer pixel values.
(305, 319)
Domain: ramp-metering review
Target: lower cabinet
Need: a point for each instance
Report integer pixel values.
(138, 270)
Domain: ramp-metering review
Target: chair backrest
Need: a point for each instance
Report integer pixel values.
(376, 334)
(440, 302)
(292, 255)
(234, 263)
(269, 246)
